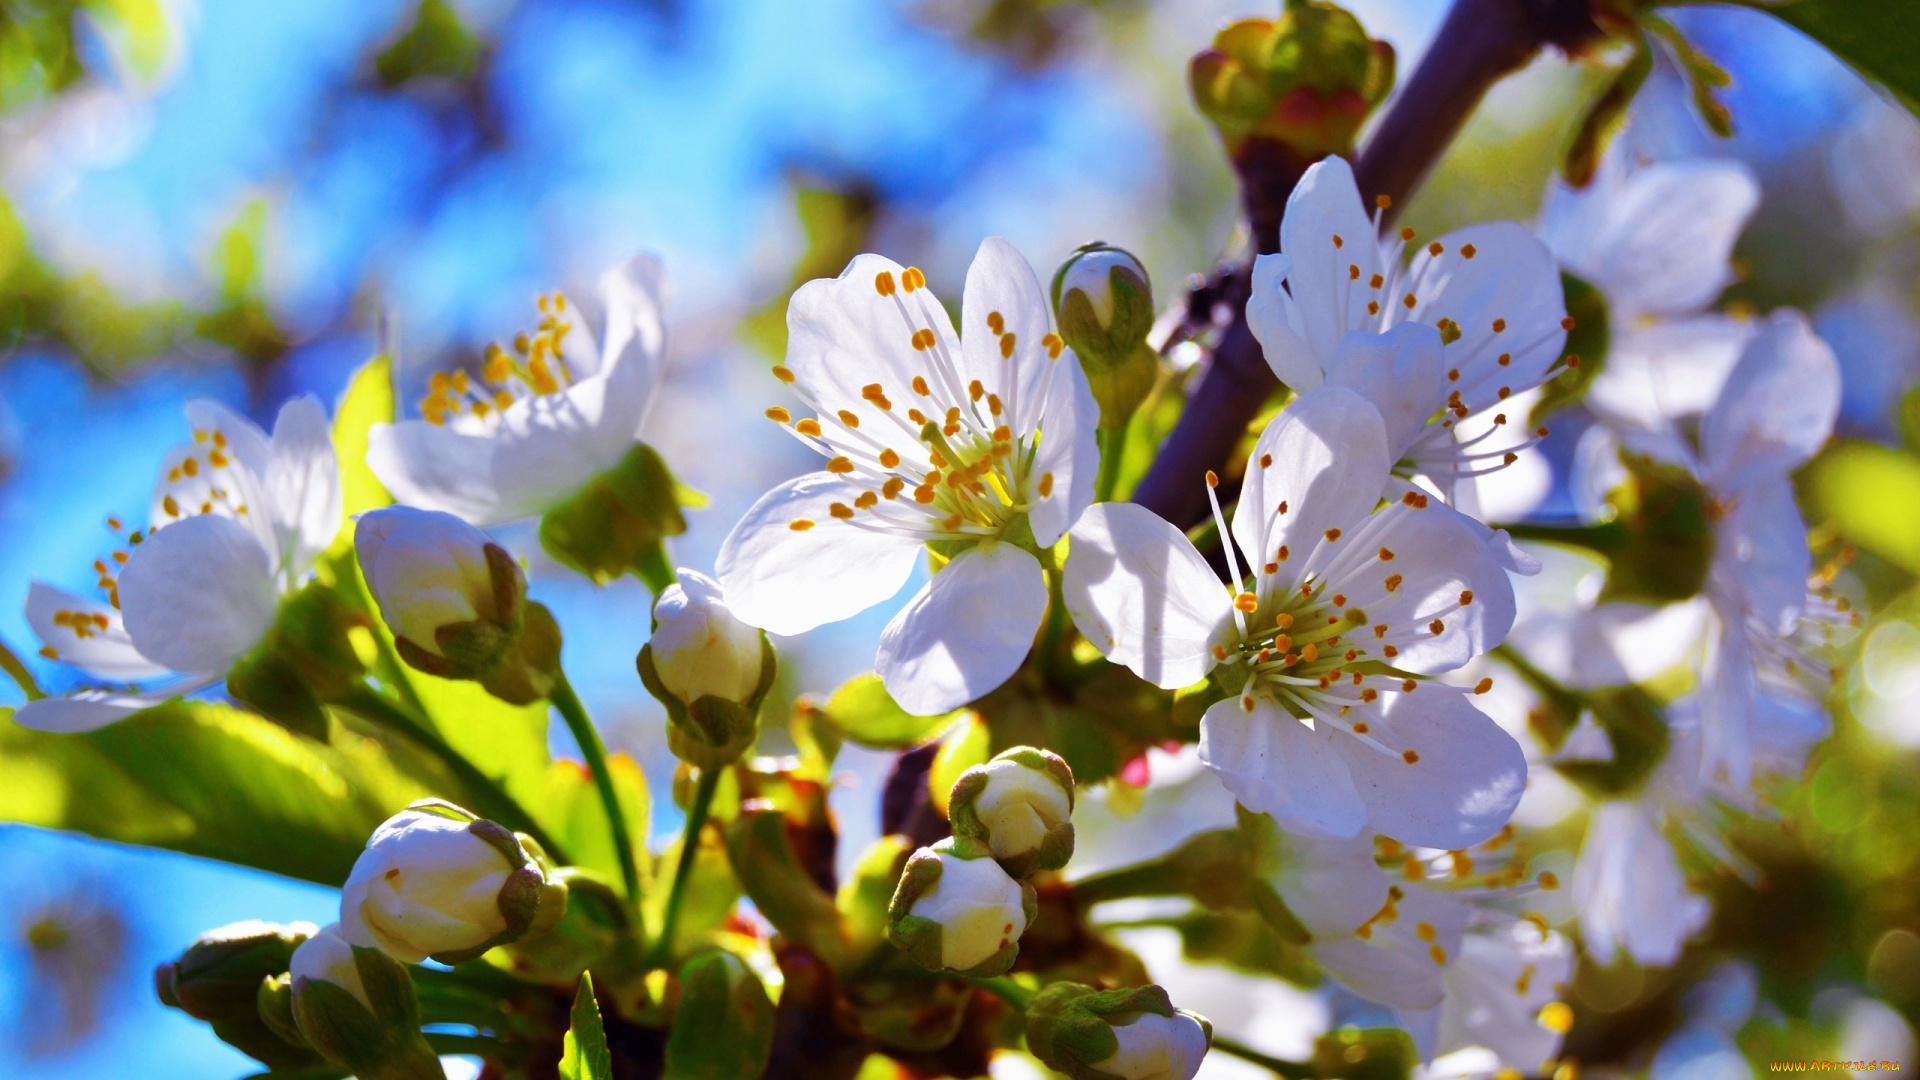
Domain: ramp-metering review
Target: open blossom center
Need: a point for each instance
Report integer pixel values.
(950, 458)
(535, 366)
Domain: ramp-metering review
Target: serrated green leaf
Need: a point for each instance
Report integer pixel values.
(585, 1056)
(1875, 36)
(207, 780)
(863, 712)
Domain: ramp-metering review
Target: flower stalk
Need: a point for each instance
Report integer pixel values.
(595, 751)
(703, 790)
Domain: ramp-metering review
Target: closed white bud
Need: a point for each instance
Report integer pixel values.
(699, 648)
(328, 957)
(435, 881)
(1091, 272)
(1020, 806)
(426, 570)
(1154, 1047)
(960, 914)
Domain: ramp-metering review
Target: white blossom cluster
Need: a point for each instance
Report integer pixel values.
(1344, 616)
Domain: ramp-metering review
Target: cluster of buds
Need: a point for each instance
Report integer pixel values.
(1103, 304)
(710, 670)
(434, 881)
(962, 904)
(457, 602)
(1133, 1033)
(1301, 84)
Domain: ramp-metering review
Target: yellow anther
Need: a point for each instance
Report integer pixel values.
(1468, 251)
(994, 405)
(1436, 626)
(841, 465)
(920, 387)
(1435, 249)
(1283, 620)
(1425, 931)
(1246, 602)
(779, 415)
(808, 426)
(800, 525)
(1386, 554)
(1439, 954)
(1053, 344)
(913, 279)
(888, 458)
(171, 506)
(1332, 535)
(1483, 685)
(976, 391)
(1548, 880)
(1410, 756)
(1006, 345)
(867, 500)
(783, 373)
(191, 467)
(1556, 1017)
(923, 339)
(840, 510)
(1393, 581)
(849, 418)
(883, 283)
(996, 322)
(892, 488)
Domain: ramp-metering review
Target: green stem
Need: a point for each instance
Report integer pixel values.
(1019, 996)
(18, 672)
(493, 800)
(1157, 877)
(1055, 627)
(1543, 684)
(472, 1045)
(654, 570)
(1293, 1070)
(595, 751)
(689, 849)
(1602, 539)
(1113, 445)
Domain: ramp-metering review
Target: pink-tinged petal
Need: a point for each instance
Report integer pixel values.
(105, 649)
(1276, 765)
(788, 579)
(198, 594)
(1144, 597)
(1069, 454)
(1438, 772)
(965, 632)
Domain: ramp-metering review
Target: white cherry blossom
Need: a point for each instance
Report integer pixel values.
(1326, 728)
(545, 415)
(1444, 341)
(980, 448)
(238, 518)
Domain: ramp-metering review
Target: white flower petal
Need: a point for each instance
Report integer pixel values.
(1396, 963)
(243, 437)
(1510, 282)
(1274, 764)
(1069, 453)
(1000, 282)
(105, 651)
(1630, 890)
(788, 581)
(1496, 989)
(633, 294)
(1270, 315)
(1657, 374)
(436, 468)
(1328, 299)
(843, 334)
(1777, 408)
(302, 483)
(1440, 559)
(965, 632)
(550, 445)
(1325, 458)
(1330, 884)
(88, 710)
(1761, 552)
(198, 594)
(1399, 373)
(1144, 597)
(1468, 776)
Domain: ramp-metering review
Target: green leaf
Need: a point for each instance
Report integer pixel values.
(1875, 36)
(585, 1056)
(866, 714)
(723, 1026)
(1872, 495)
(569, 805)
(369, 400)
(207, 780)
(507, 742)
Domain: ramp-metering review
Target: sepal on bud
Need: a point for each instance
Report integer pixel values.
(1127, 1034)
(356, 1007)
(305, 658)
(956, 910)
(437, 880)
(616, 523)
(1103, 303)
(1018, 806)
(218, 976)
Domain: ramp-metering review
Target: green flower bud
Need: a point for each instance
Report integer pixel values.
(436, 880)
(1659, 546)
(1306, 81)
(219, 975)
(709, 669)
(723, 1023)
(1127, 1034)
(1103, 303)
(1018, 806)
(355, 1006)
(956, 910)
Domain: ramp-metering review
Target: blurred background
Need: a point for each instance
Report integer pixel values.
(244, 201)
